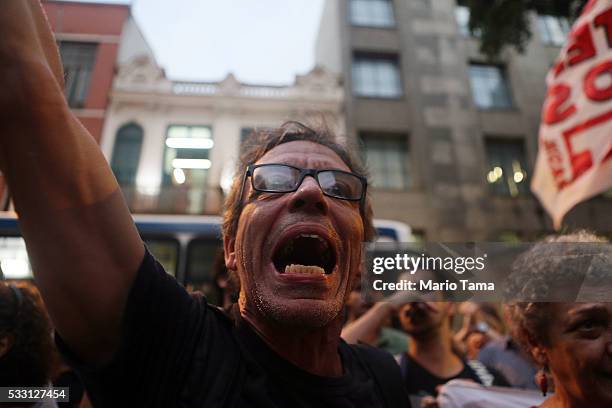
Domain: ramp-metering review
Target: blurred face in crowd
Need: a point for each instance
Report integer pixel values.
(424, 318)
(298, 253)
(26, 344)
(428, 315)
(579, 351)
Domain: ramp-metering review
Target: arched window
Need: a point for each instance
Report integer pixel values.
(126, 154)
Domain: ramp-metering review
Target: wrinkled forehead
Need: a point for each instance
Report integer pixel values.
(304, 154)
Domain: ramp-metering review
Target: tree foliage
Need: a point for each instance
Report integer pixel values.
(501, 23)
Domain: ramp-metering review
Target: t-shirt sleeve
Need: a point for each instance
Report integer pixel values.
(162, 326)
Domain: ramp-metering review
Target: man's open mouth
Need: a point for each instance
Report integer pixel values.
(606, 374)
(305, 254)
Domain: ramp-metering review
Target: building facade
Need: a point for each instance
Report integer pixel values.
(88, 36)
(450, 138)
(173, 145)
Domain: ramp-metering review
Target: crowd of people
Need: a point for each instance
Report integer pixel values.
(502, 354)
(298, 335)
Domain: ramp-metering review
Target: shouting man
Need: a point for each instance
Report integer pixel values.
(294, 224)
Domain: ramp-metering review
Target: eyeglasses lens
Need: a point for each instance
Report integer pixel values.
(275, 178)
(341, 185)
(279, 178)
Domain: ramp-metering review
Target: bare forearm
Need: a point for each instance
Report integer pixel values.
(370, 322)
(47, 156)
(84, 248)
(41, 139)
(25, 37)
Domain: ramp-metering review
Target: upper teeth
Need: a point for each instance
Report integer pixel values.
(304, 269)
(323, 241)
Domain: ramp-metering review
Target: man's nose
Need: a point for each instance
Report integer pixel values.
(309, 197)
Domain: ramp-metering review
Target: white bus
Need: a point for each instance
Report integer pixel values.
(186, 245)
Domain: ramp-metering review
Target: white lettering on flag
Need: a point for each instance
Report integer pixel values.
(575, 142)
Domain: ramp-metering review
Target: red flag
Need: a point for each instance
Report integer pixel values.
(575, 142)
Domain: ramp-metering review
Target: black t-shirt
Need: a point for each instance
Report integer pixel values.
(178, 351)
(420, 381)
(71, 380)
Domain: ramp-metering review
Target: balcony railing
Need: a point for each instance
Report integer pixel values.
(180, 199)
(199, 88)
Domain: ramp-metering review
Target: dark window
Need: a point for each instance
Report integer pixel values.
(490, 87)
(553, 29)
(371, 13)
(166, 251)
(247, 132)
(200, 275)
(244, 133)
(506, 170)
(78, 59)
(126, 154)
(387, 158)
(376, 76)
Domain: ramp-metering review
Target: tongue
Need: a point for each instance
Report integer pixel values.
(304, 269)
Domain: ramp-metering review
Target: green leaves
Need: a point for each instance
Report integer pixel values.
(501, 23)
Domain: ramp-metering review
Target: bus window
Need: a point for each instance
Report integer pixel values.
(201, 255)
(393, 231)
(166, 250)
(14, 259)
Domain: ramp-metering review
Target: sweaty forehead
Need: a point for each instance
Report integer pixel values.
(304, 154)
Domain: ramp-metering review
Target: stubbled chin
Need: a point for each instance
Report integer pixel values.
(304, 313)
(298, 305)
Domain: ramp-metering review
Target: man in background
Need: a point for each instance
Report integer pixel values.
(431, 359)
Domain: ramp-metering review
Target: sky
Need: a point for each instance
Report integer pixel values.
(260, 41)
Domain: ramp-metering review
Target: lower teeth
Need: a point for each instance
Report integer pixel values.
(304, 269)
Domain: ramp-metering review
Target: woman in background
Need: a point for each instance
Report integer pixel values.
(570, 341)
(26, 345)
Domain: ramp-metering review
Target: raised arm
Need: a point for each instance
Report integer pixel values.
(373, 319)
(83, 245)
(370, 322)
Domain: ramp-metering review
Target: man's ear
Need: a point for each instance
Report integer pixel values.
(229, 252)
(6, 342)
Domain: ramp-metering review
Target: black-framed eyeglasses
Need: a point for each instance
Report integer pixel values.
(283, 178)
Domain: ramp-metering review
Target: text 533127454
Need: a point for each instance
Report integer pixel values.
(34, 394)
